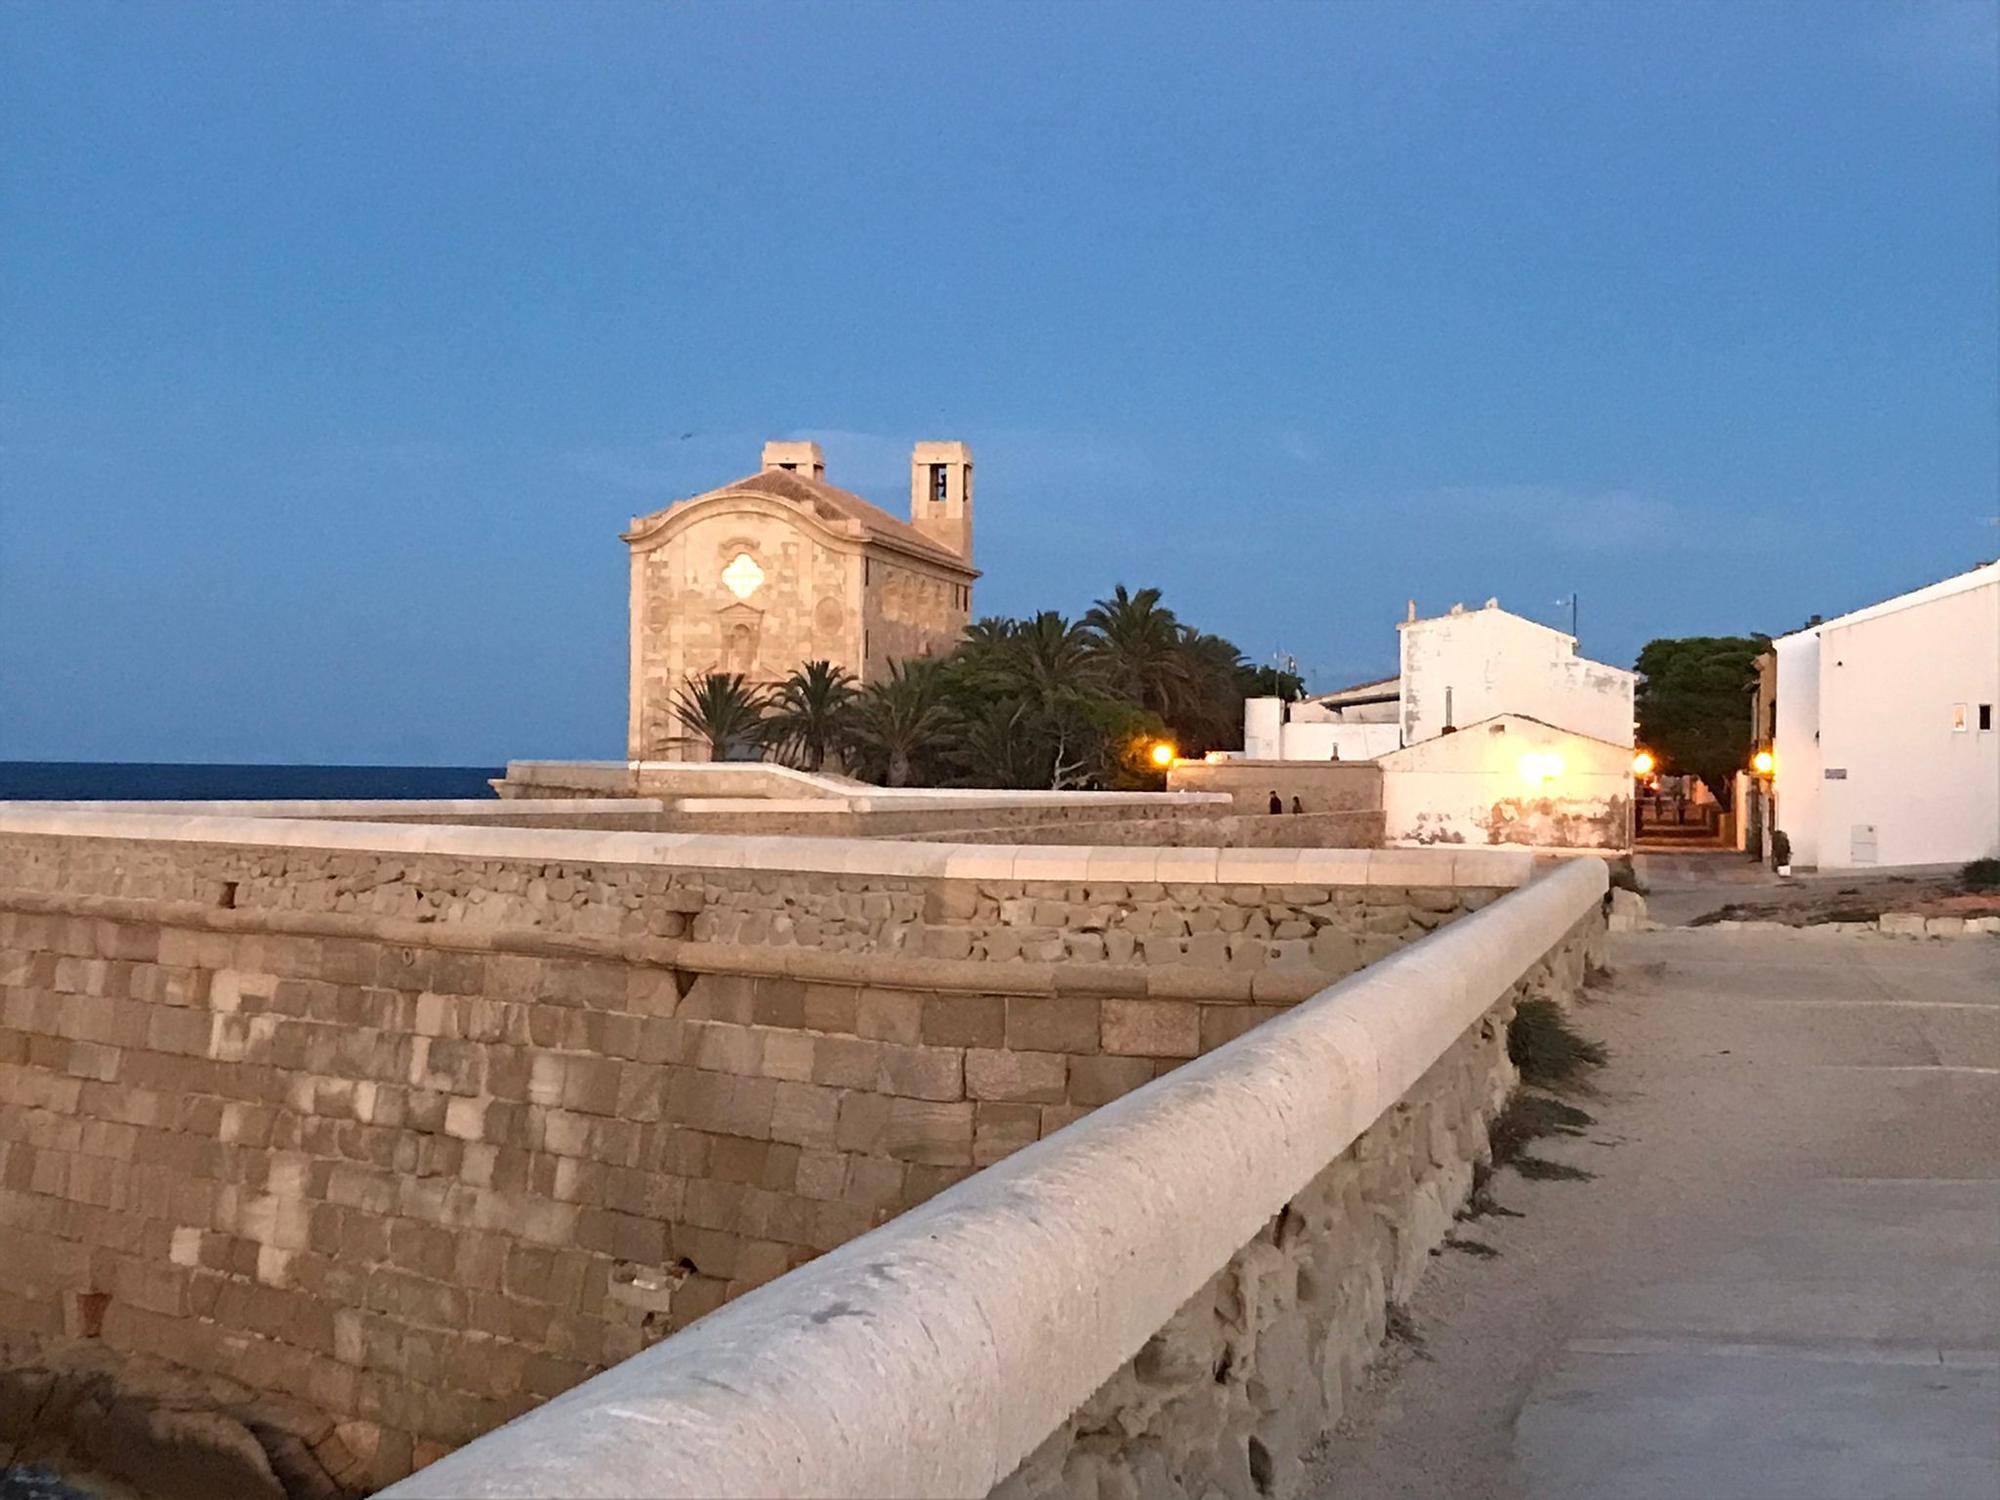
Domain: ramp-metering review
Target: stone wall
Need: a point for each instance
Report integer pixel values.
(420, 1140)
(1171, 1297)
(1230, 1395)
(1320, 786)
(1212, 829)
(1297, 926)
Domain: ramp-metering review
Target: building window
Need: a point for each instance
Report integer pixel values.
(789, 468)
(1985, 716)
(940, 483)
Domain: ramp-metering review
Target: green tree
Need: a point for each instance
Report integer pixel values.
(1210, 714)
(904, 720)
(812, 714)
(720, 710)
(1693, 705)
(1137, 645)
(1273, 682)
(998, 746)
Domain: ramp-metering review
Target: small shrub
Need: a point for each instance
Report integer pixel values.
(1981, 875)
(1549, 1051)
(1781, 847)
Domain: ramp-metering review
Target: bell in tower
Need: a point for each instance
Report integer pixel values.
(941, 495)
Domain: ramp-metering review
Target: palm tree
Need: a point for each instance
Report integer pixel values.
(1138, 644)
(812, 713)
(998, 745)
(904, 718)
(724, 713)
(1049, 662)
(1206, 706)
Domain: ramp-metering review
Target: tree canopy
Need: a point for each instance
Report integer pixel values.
(1693, 705)
(1041, 702)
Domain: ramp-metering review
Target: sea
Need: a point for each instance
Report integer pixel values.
(139, 781)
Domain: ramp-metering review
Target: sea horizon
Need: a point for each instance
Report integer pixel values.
(205, 781)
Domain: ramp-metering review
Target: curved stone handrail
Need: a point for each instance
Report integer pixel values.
(930, 1356)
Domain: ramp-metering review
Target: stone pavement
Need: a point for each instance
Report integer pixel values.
(1783, 1282)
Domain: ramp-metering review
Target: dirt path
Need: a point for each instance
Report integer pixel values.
(1783, 1282)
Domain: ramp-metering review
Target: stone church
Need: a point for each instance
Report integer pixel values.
(780, 568)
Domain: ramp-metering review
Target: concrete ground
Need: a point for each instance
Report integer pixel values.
(1783, 1282)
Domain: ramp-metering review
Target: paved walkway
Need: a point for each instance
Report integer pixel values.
(1784, 1281)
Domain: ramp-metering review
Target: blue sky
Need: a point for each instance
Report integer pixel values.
(337, 343)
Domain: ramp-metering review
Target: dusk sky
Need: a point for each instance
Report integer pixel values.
(338, 343)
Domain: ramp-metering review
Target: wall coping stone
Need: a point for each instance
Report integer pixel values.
(930, 1356)
(800, 853)
(948, 798)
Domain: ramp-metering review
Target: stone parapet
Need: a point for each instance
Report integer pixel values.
(1161, 1299)
(420, 1126)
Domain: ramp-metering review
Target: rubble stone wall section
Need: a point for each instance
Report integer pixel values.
(1246, 924)
(1230, 1395)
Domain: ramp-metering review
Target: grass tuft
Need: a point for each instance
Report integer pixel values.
(1549, 1051)
(1401, 1327)
(1477, 1248)
(1541, 1169)
(1981, 875)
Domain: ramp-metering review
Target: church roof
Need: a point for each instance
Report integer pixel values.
(831, 503)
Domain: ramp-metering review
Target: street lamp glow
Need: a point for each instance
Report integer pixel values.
(1540, 766)
(1763, 763)
(1163, 753)
(1642, 763)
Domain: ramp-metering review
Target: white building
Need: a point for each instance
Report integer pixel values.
(1458, 669)
(1887, 748)
(1512, 781)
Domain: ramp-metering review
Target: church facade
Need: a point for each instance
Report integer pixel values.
(780, 568)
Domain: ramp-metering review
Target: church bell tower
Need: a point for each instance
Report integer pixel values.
(941, 494)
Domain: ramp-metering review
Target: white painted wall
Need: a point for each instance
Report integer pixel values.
(1795, 788)
(1889, 679)
(1263, 728)
(1488, 782)
(1318, 740)
(1311, 712)
(1492, 662)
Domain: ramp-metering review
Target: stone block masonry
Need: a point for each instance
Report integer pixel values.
(420, 1138)
(1172, 1298)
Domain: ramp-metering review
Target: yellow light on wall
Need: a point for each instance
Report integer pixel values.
(1643, 763)
(1539, 767)
(1764, 763)
(1163, 753)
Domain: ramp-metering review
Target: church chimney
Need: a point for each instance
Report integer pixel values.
(941, 495)
(799, 458)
